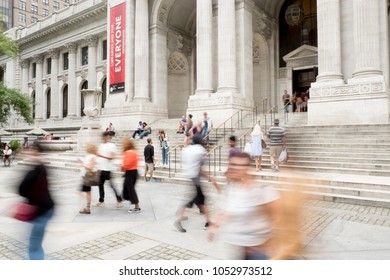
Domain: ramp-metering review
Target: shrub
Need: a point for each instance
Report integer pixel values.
(15, 145)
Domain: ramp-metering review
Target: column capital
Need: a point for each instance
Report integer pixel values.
(23, 63)
(54, 53)
(92, 40)
(247, 4)
(38, 58)
(71, 47)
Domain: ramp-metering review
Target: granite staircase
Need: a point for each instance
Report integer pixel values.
(338, 163)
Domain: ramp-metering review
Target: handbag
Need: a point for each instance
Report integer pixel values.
(283, 156)
(91, 178)
(248, 148)
(263, 144)
(24, 211)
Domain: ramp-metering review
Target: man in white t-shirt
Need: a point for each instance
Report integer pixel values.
(193, 158)
(106, 153)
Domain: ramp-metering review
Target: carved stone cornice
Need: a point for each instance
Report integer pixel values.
(72, 21)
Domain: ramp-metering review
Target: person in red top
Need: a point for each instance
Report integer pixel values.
(130, 167)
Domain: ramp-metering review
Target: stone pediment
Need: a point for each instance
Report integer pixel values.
(305, 55)
(303, 51)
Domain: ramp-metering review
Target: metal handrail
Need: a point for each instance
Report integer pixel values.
(169, 158)
(207, 137)
(251, 128)
(213, 150)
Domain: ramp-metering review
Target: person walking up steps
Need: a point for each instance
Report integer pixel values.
(106, 153)
(276, 134)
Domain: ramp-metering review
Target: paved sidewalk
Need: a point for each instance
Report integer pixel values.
(332, 230)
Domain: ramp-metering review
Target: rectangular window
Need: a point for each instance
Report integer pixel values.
(45, 12)
(66, 61)
(45, 2)
(56, 5)
(34, 9)
(22, 5)
(34, 70)
(34, 19)
(104, 49)
(84, 56)
(22, 18)
(48, 65)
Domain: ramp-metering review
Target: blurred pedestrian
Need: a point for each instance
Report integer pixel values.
(248, 212)
(256, 148)
(90, 176)
(106, 153)
(130, 167)
(35, 188)
(207, 125)
(233, 146)
(193, 158)
(149, 160)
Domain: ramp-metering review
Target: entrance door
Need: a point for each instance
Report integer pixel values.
(302, 79)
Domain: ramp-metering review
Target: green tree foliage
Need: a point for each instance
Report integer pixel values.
(14, 99)
(7, 46)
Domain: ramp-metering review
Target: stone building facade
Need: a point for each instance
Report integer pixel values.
(191, 56)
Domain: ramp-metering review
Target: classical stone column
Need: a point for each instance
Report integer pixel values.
(366, 38)
(329, 40)
(92, 55)
(244, 28)
(227, 80)
(38, 59)
(72, 87)
(129, 79)
(55, 92)
(25, 75)
(158, 65)
(204, 37)
(141, 50)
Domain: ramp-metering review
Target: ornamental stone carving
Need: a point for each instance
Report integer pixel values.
(24, 63)
(348, 90)
(71, 47)
(54, 53)
(264, 25)
(92, 40)
(179, 43)
(177, 63)
(38, 58)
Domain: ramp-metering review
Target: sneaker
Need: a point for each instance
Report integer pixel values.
(135, 210)
(99, 204)
(178, 226)
(85, 211)
(207, 225)
(153, 180)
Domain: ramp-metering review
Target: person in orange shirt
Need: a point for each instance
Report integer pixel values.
(130, 167)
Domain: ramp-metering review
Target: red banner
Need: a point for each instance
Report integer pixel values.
(117, 47)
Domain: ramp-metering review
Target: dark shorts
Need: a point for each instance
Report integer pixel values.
(85, 188)
(199, 198)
